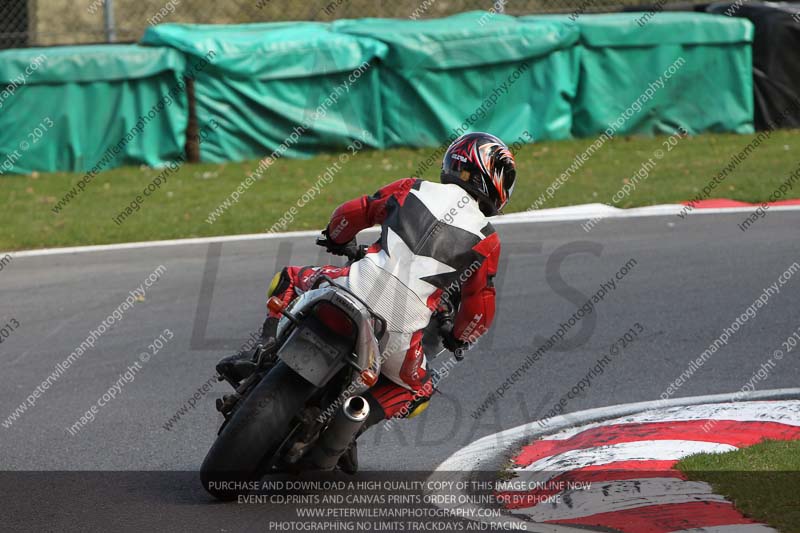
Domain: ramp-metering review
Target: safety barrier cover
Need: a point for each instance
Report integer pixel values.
(655, 74)
(473, 71)
(293, 89)
(81, 108)
(289, 89)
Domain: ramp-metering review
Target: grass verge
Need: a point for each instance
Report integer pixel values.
(762, 481)
(180, 207)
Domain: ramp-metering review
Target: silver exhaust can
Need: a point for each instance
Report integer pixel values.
(335, 440)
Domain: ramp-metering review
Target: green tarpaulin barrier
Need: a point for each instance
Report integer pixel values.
(81, 108)
(287, 89)
(651, 75)
(474, 71)
(293, 89)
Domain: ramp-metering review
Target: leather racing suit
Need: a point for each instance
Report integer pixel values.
(435, 243)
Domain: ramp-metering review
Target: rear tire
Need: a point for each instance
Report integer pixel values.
(254, 432)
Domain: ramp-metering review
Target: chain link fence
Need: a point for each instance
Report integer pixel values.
(56, 22)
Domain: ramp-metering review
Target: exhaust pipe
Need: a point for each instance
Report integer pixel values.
(337, 438)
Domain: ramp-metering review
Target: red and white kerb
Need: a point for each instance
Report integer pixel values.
(619, 475)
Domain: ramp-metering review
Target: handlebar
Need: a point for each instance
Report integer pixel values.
(353, 252)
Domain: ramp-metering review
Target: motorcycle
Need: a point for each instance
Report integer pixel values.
(302, 410)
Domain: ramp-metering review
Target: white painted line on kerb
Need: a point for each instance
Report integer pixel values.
(752, 411)
(620, 495)
(738, 528)
(556, 214)
(665, 450)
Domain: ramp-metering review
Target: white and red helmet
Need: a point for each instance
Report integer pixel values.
(483, 165)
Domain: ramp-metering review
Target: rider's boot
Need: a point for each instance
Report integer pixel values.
(241, 365)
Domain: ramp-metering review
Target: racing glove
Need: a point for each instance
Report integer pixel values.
(457, 346)
(347, 249)
(450, 341)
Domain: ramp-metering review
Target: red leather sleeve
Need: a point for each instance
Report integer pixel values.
(476, 313)
(364, 212)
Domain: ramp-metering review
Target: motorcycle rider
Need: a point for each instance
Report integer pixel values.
(436, 248)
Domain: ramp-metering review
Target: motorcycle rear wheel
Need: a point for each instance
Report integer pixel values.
(254, 432)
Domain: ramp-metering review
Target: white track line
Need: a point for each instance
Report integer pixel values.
(587, 211)
(556, 214)
(158, 244)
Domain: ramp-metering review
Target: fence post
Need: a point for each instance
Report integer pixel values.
(108, 11)
(192, 147)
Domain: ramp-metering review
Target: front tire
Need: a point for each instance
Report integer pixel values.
(254, 432)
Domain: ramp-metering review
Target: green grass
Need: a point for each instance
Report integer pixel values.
(762, 481)
(180, 207)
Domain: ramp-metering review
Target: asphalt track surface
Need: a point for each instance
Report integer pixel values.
(691, 279)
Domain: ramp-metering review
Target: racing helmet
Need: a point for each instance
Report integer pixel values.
(482, 165)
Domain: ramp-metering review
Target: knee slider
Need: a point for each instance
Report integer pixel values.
(418, 407)
(422, 398)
